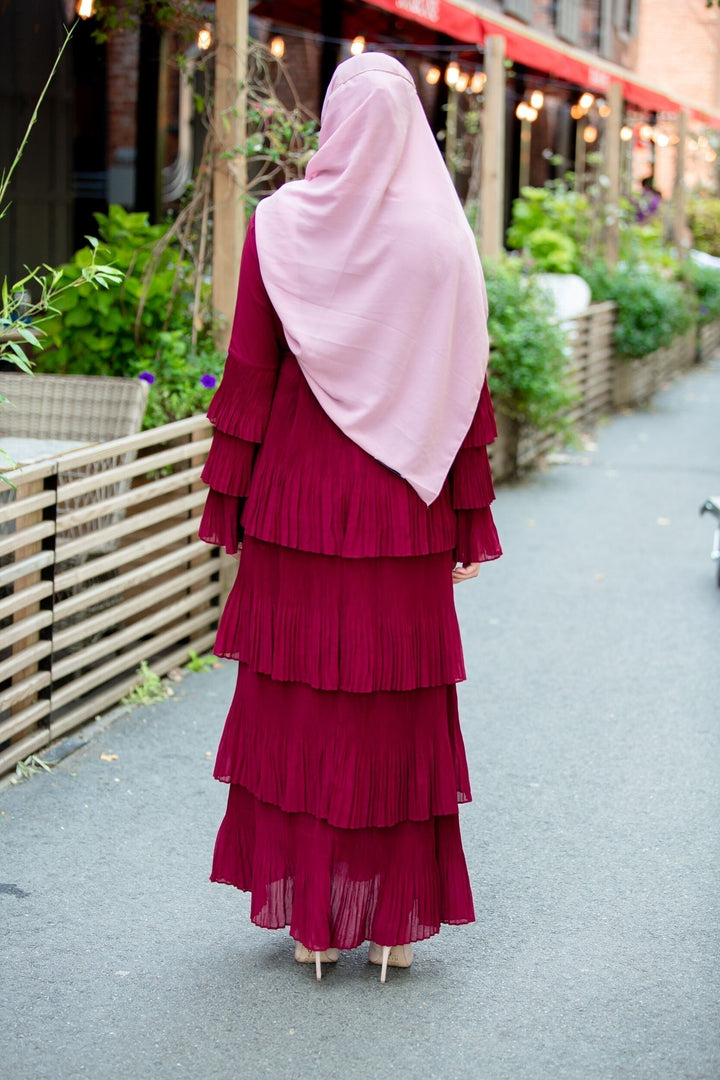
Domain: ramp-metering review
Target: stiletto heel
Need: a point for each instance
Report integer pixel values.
(390, 956)
(304, 955)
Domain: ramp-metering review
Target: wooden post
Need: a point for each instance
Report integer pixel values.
(612, 169)
(229, 178)
(492, 210)
(679, 191)
(451, 132)
(525, 144)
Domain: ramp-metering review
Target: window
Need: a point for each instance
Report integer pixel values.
(521, 8)
(567, 20)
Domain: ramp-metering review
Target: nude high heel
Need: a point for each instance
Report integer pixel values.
(400, 956)
(310, 956)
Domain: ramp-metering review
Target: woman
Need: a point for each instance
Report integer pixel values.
(350, 442)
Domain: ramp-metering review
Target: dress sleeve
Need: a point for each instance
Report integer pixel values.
(472, 489)
(240, 408)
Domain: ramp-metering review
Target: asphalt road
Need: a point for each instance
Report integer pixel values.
(592, 718)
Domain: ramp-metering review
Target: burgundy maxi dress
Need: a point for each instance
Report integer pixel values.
(342, 748)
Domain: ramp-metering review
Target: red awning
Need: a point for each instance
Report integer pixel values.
(535, 50)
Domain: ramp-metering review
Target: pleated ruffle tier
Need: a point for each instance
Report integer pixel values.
(336, 888)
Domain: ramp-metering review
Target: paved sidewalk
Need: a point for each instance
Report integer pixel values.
(592, 721)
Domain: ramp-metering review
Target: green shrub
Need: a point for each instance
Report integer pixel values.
(704, 222)
(705, 284)
(552, 226)
(528, 359)
(651, 310)
(142, 325)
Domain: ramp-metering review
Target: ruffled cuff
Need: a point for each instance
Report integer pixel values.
(228, 468)
(483, 429)
(241, 404)
(220, 524)
(477, 538)
(471, 479)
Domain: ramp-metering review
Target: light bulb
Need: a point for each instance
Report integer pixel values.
(477, 83)
(537, 99)
(577, 112)
(452, 73)
(204, 39)
(626, 133)
(590, 133)
(277, 47)
(646, 133)
(531, 114)
(604, 110)
(461, 83)
(85, 8)
(433, 76)
(586, 100)
(357, 45)
(522, 111)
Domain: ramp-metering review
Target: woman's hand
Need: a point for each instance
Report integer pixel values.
(465, 572)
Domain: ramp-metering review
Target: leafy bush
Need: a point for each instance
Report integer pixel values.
(551, 225)
(528, 359)
(143, 325)
(651, 310)
(704, 222)
(705, 283)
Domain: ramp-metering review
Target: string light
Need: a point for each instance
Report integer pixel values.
(626, 133)
(577, 112)
(85, 8)
(537, 99)
(531, 114)
(646, 133)
(461, 83)
(277, 47)
(590, 133)
(452, 73)
(604, 109)
(661, 139)
(477, 83)
(204, 39)
(522, 111)
(357, 45)
(586, 100)
(433, 76)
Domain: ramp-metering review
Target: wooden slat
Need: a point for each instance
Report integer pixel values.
(28, 474)
(31, 565)
(21, 749)
(21, 691)
(28, 656)
(88, 709)
(131, 443)
(133, 657)
(31, 535)
(117, 585)
(131, 524)
(24, 628)
(138, 467)
(21, 721)
(130, 553)
(19, 507)
(112, 617)
(25, 598)
(105, 507)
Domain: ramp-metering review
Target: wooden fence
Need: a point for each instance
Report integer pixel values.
(100, 569)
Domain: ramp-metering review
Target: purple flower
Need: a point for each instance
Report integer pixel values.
(703, 309)
(209, 382)
(147, 376)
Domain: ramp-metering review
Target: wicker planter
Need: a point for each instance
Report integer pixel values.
(636, 381)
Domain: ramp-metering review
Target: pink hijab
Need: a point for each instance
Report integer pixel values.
(374, 273)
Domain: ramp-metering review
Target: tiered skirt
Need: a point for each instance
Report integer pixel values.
(342, 747)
